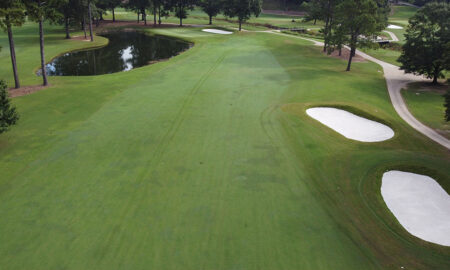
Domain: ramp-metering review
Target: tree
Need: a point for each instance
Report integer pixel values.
(427, 47)
(8, 113)
(211, 7)
(109, 5)
(72, 11)
(338, 38)
(39, 11)
(181, 7)
(90, 19)
(322, 10)
(313, 10)
(242, 9)
(360, 19)
(140, 7)
(12, 14)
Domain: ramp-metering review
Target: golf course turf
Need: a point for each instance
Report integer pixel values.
(205, 161)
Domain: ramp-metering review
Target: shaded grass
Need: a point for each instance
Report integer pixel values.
(387, 55)
(207, 161)
(427, 106)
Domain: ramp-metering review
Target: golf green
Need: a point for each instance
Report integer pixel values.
(205, 161)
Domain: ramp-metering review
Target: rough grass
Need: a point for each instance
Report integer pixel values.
(205, 161)
(427, 105)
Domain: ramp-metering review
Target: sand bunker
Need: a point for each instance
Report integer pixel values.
(420, 204)
(217, 31)
(392, 26)
(350, 125)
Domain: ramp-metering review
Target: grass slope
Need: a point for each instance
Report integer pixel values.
(428, 107)
(206, 161)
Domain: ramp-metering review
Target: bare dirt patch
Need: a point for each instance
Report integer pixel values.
(81, 38)
(26, 90)
(345, 55)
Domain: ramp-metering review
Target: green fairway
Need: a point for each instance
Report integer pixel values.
(197, 16)
(401, 14)
(428, 106)
(205, 161)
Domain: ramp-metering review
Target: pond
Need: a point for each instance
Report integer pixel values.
(125, 51)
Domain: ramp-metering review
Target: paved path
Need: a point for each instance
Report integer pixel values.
(396, 79)
(394, 38)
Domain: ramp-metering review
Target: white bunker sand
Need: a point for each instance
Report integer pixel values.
(217, 31)
(420, 204)
(392, 26)
(350, 125)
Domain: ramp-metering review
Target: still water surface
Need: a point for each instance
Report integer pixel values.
(125, 51)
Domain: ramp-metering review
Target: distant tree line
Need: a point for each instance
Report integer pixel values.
(348, 22)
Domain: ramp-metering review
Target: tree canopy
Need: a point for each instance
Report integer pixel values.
(427, 47)
(211, 7)
(242, 9)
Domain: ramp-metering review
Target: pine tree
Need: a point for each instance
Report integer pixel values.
(8, 114)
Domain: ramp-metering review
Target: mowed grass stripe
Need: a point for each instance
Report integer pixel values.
(238, 182)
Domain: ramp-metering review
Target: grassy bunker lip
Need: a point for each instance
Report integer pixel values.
(419, 204)
(350, 125)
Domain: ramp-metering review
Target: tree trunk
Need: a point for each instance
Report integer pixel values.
(340, 51)
(352, 51)
(144, 16)
(435, 78)
(90, 22)
(138, 17)
(154, 16)
(240, 24)
(114, 15)
(181, 16)
(12, 52)
(159, 15)
(66, 26)
(436, 74)
(84, 26)
(41, 43)
(210, 19)
(325, 34)
(315, 20)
